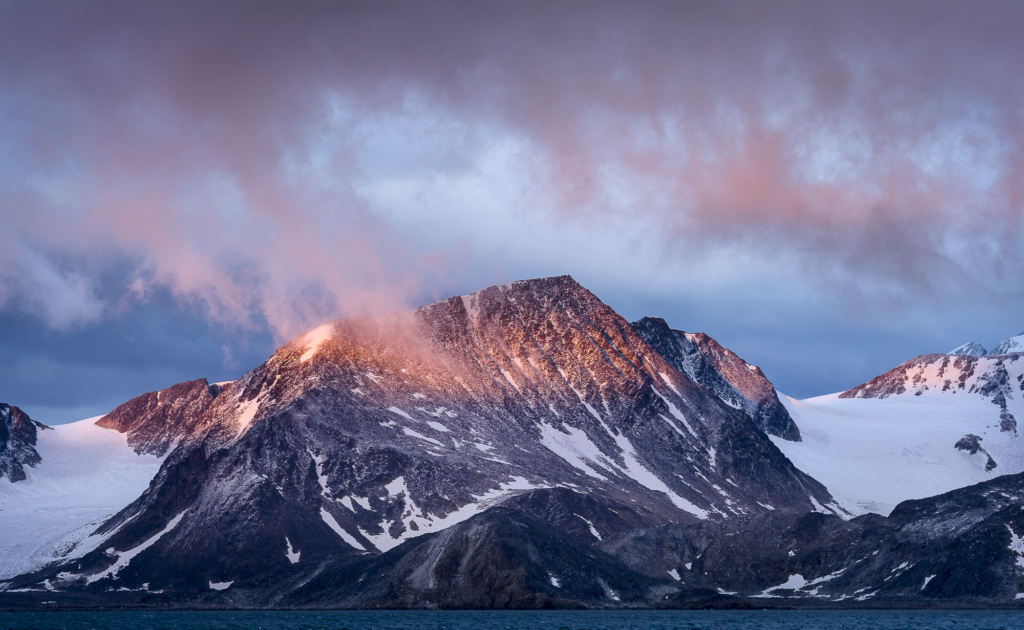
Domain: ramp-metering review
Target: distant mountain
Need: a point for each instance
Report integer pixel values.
(933, 424)
(1009, 345)
(1006, 346)
(723, 373)
(18, 434)
(368, 432)
(971, 349)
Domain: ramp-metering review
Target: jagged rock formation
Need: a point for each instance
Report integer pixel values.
(17, 442)
(721, 372)
(972, 444)
(364, 433)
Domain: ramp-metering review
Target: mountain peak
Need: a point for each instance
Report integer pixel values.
(970, 349)
(1010, 345)
(724, 374)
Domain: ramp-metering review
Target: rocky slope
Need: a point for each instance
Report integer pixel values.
(18, 434)
(722, 373)
(367, 432)
(963, 547)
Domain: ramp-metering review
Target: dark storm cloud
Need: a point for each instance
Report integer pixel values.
(225, 148)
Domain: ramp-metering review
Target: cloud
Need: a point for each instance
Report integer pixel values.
(279, 164)
(61, 297)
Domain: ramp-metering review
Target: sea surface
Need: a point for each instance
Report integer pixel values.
(502, 620)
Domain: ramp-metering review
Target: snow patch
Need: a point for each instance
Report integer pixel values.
(125, 557)
(220, 586)
(437, 426)
(333, 524)
(313, 339)
(293, 556)
(411, 433)
(427, 523)
(795, 582)
(678, 415)
(1017, 547)
(593, 530)
(401, 413)
(675, 575)
(320, 476)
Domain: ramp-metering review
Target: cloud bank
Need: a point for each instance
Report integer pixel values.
(276, 165)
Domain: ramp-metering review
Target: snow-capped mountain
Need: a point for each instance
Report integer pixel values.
(1009, 345)
(368, 432)
(721, 372)
(1006, 346)
(970, 349)
(18, 436)
(936, 423)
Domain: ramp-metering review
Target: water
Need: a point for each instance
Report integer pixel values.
(504, 620)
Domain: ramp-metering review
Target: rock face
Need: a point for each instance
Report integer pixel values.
(365, 433)
(17, 442)
(725, 375)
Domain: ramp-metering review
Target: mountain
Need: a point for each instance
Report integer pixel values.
(935, 423)
(18, 435)
(367, 433)
(721, 372)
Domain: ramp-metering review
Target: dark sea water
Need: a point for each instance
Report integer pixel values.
(494, 620)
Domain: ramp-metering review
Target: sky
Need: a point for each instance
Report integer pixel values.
(829, 189)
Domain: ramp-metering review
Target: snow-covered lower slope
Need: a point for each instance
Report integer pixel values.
(872, 453)
(86, 475)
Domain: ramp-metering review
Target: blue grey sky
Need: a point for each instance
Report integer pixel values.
(828, 190)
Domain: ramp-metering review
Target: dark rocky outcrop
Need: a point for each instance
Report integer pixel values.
(18, 435)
